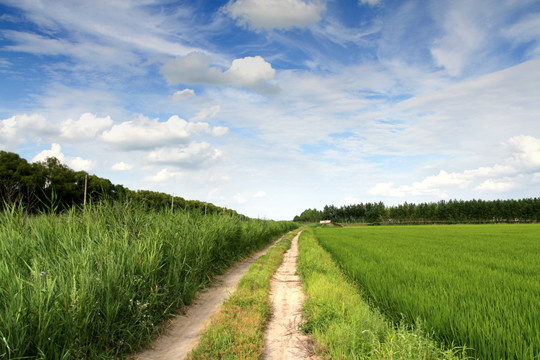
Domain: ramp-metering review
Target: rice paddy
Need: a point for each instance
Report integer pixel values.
(471, 285)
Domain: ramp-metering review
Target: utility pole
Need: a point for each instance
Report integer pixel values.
(85, 186)
(172, 202)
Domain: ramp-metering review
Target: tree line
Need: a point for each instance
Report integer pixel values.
(50, 185)
(451, 212)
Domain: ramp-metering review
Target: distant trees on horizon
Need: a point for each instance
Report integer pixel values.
(451, 211)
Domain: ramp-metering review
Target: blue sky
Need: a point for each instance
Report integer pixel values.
(272, 107)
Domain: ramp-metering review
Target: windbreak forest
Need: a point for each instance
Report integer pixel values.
(444, 212)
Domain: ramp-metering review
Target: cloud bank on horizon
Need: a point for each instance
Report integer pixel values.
(270, 108)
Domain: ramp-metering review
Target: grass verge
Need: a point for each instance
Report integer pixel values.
(344, 325)
(237, 331)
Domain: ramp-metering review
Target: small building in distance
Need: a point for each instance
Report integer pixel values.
(326, 221)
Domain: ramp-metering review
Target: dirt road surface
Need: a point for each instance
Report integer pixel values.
(283, 339)
(184, 330)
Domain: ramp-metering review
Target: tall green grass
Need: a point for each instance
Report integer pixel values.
(97, 284)
(475, 285)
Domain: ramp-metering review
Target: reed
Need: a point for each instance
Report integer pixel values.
(98, 283)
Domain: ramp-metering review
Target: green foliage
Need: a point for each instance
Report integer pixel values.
(50, 185)
(96, 284)
(344, 325)
(448, 212)
(473, 285)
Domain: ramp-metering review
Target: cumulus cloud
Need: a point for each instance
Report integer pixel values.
(86, 128)
(277, 14)
(195, 68)
(523, 160)
(55, 151)
(164, 175)
(249, 70)
(182, 95)
(121, 166)
(492, 185)
(195, 155)
(144, 133)
(76, 163)
(16, 129)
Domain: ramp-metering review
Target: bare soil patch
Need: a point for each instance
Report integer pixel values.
(283, 339)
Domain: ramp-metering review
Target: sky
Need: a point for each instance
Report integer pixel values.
(273, 107)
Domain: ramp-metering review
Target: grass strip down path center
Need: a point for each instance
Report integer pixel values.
(237, 331)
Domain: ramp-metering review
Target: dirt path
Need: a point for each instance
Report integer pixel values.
(184, 330)
(283, 340)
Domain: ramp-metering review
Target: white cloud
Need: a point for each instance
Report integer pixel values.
(195, 155)
(80, 164)
(276, 14)
(526, 153)
(103, 32)
(144, 133)
(492, 185)
(259, 194)
(182, 95)
(16, 129)
(523, 160)
(465, 35)
(526, 30)
(369, 2)
(86, 128)
(249, 71)
(164, 175)
(219, 130)
(121, 166)
(386, 189)
(195, 68)
(240, 198)
(54, 151)
(208, 113)
(75, 163)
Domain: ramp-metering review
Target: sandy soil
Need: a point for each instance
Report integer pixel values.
(184, 330)
(283, 340)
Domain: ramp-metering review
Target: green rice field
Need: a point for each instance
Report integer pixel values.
(471, 285)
